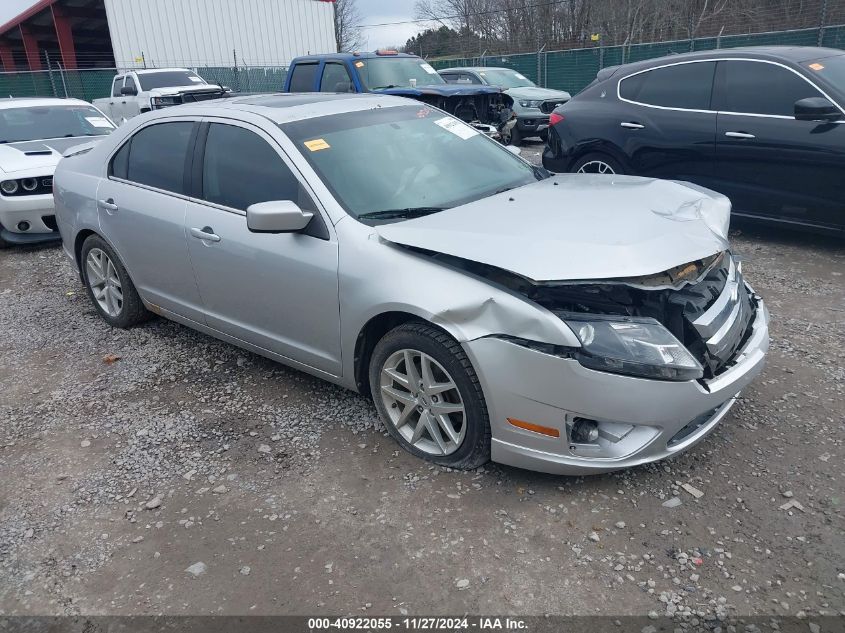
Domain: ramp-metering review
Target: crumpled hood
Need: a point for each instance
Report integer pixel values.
(573, 227)
(36, 154)
(535, 92)
(443, 90)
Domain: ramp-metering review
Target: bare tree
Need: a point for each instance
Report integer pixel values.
(347, 26)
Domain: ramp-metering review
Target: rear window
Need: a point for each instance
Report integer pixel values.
(302, 78)
(157, 156)
(686, 86)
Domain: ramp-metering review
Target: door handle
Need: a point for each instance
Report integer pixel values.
(744, 135)
(632, 126)
(108, 205)
(205, 233)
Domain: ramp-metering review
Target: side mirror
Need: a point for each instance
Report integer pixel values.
(277, 216)
(128, 91)
(816, 109)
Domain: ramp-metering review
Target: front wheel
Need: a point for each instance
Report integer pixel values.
(429, 397)
(597, 164)
(108, 284)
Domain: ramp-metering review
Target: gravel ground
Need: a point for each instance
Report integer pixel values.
(160, 471)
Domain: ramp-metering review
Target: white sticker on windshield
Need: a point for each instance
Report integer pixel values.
(458, 128)
(196, 80)
(99, 121)
(518, 76)
(428, 69)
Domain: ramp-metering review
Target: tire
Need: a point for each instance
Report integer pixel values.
(442, 354)
(3, 243)
(515, 136)
(594, 163)
(124, 312)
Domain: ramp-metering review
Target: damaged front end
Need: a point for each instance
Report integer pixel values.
(704, 304)
(488, 111)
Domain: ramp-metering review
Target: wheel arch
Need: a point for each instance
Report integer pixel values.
(371, 333)
(599, 146)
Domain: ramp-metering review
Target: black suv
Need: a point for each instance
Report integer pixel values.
(764, 126)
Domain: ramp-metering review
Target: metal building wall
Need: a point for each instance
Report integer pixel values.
(206, 32)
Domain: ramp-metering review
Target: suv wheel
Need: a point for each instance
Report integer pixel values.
(108, 284)
(428, 395)
(597, 164)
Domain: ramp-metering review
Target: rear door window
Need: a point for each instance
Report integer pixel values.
(302, 78)
(760, 88)
(335, 79)
(157, 156)
(683, 86)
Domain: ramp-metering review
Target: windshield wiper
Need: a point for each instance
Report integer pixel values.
(388, 87)
(410, 212)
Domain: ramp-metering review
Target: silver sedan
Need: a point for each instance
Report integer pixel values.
(568, 324)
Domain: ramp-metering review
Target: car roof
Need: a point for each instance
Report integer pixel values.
(352, 56)
(34, 102)
(287, 107)
(150, 71)
(792, 54)
(476, 69)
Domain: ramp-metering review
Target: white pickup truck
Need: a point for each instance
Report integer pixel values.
(138, 91)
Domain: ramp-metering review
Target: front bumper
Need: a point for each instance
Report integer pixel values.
(532, 124)
(655, 419)
(38, 211)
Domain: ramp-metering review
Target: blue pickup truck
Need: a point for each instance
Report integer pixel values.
(388, 72)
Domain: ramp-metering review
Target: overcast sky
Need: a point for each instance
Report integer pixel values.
(372, 12)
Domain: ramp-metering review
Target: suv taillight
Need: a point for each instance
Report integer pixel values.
(555, 118)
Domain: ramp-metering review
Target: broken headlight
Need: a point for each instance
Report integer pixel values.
(634, 347)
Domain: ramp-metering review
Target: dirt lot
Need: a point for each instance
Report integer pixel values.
(281, 495)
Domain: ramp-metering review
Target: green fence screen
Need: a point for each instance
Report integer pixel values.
(566, 70)
(573, 69)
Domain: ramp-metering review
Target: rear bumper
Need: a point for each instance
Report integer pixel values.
(640, 420)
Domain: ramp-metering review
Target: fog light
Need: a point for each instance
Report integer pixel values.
(584, 431)
(9, 187)
(23, 226)
(29, 184)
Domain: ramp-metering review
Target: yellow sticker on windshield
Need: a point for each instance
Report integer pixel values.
(817, 66)
(359, 64)
(317, 144)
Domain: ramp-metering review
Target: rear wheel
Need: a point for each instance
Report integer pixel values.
(597, 164)
(108, 284)
(428, 395)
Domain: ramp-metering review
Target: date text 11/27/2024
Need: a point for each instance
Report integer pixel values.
(417, 624)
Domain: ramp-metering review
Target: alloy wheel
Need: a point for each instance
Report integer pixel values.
(596, 167)
(423, 402)
(104, 282)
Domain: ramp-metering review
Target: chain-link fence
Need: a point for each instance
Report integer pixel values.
(569, 70)
(95, 83)
(573, 69)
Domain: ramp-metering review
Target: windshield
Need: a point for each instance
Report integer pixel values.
(42, 122)
(396, 72)
(169, 79)
(410, 159)
(504, 78)
(831, 69)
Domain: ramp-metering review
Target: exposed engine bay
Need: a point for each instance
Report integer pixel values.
(677, 298)
(489, 109)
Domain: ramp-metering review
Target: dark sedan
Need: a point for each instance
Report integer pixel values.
(764, 126)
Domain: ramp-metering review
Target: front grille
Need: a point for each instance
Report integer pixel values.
(548, 106)
(718, 326)
(189, 97)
